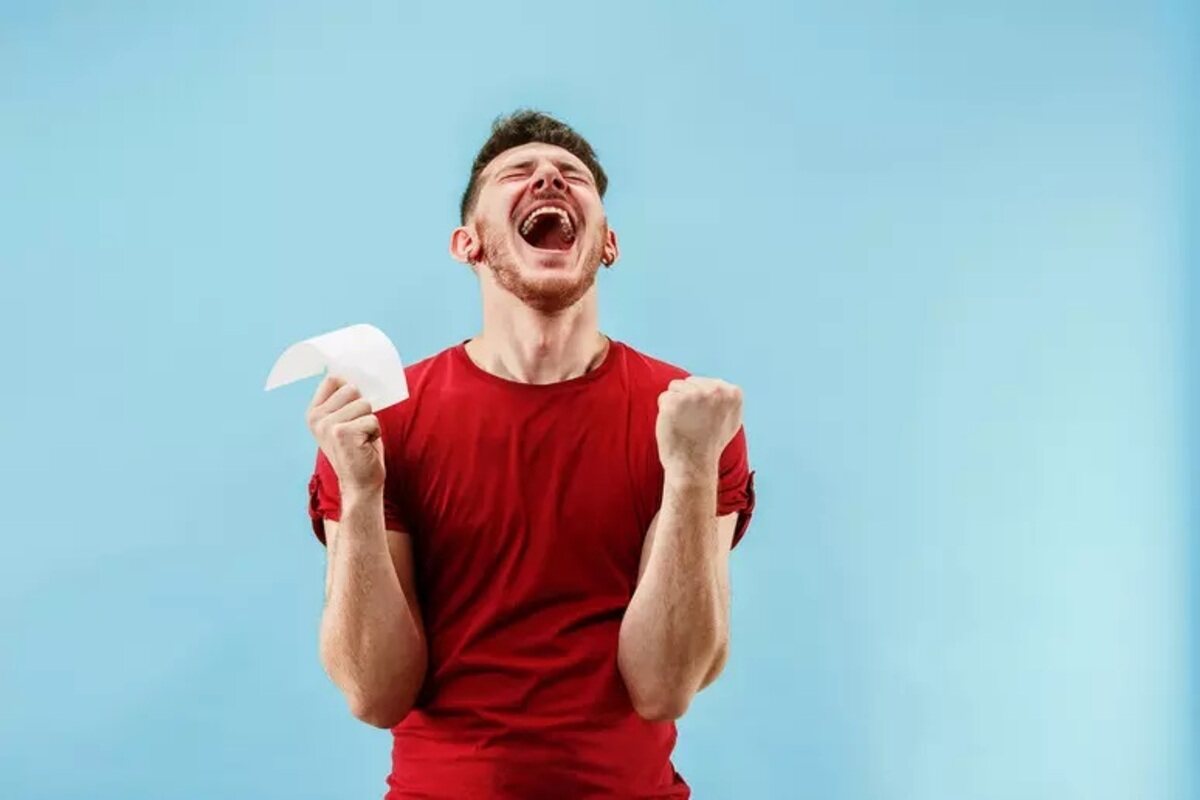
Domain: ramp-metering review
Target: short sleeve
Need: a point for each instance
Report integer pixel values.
(735, 484)
(325, 501)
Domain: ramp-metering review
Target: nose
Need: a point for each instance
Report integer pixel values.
(548, 177)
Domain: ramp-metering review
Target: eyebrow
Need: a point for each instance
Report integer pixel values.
(562, 164)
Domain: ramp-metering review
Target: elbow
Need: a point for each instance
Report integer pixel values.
(654, 697)
(663, 692)
(381, 699)
(381, 712)
(381, 702)
(661, 706)
(718, 664)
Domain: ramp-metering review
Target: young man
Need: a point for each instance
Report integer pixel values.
(529, 559)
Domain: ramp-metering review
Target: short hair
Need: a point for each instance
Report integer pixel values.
(522, 127)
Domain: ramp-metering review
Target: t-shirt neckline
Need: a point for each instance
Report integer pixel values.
(601, 369)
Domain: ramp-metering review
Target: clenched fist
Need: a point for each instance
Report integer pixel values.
(349, 435)
(696, 419)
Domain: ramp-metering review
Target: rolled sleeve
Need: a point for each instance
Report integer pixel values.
(325, 500)
(735, 484)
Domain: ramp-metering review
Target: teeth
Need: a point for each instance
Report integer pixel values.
(564, 219)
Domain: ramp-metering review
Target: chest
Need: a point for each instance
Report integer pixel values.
(552, 493)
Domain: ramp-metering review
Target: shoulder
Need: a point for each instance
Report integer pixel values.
(429, 370)
(422, 377)
(645, 370)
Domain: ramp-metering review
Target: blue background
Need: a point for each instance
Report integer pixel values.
(944, 247)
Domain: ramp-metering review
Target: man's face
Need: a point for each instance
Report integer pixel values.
(541, 225)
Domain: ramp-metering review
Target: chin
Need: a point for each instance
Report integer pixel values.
(554, 292)
(548, 284)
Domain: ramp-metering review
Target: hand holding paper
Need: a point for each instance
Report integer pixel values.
(349, 435)
(361, 354)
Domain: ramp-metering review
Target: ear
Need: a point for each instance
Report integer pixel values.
(465, 245)
(611, 250)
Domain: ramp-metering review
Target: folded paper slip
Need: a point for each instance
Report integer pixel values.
(361, 354)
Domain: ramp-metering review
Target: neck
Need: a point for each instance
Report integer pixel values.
(522, 344)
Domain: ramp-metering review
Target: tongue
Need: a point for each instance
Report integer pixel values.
(547, 234)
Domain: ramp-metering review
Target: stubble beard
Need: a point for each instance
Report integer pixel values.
(550, 294)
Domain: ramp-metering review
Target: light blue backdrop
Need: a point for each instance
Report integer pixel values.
(940, 245)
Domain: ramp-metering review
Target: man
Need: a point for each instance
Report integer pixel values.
(528, 573)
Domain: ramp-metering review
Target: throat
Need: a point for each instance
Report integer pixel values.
(540, 364)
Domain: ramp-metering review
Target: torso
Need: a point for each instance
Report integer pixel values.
(528, 506)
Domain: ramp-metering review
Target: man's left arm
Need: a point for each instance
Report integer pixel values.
(674, 637)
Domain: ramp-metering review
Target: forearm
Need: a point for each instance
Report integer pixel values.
(372, 644)
(675, 631)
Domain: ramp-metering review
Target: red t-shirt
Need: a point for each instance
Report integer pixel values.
(527, 506)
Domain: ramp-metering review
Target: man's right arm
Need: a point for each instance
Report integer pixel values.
(372, 638)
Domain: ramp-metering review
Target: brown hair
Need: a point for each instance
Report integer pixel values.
(522, 127)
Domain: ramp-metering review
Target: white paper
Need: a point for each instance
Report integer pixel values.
(361, 354)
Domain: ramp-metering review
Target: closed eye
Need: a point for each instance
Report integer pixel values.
(572, 173)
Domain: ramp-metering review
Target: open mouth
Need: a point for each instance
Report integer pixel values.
(548, 228)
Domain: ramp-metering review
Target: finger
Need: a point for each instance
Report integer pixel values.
(349, 412)
(674, 397)
(715, 387)
(690, 387)
(367, 427)
(326, 388)
(347, 393)
(703, 384)
(727, 390)
(362, 431)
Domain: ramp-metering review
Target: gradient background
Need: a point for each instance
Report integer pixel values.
(945, 248)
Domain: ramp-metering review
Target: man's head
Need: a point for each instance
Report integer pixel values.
(533, 214)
